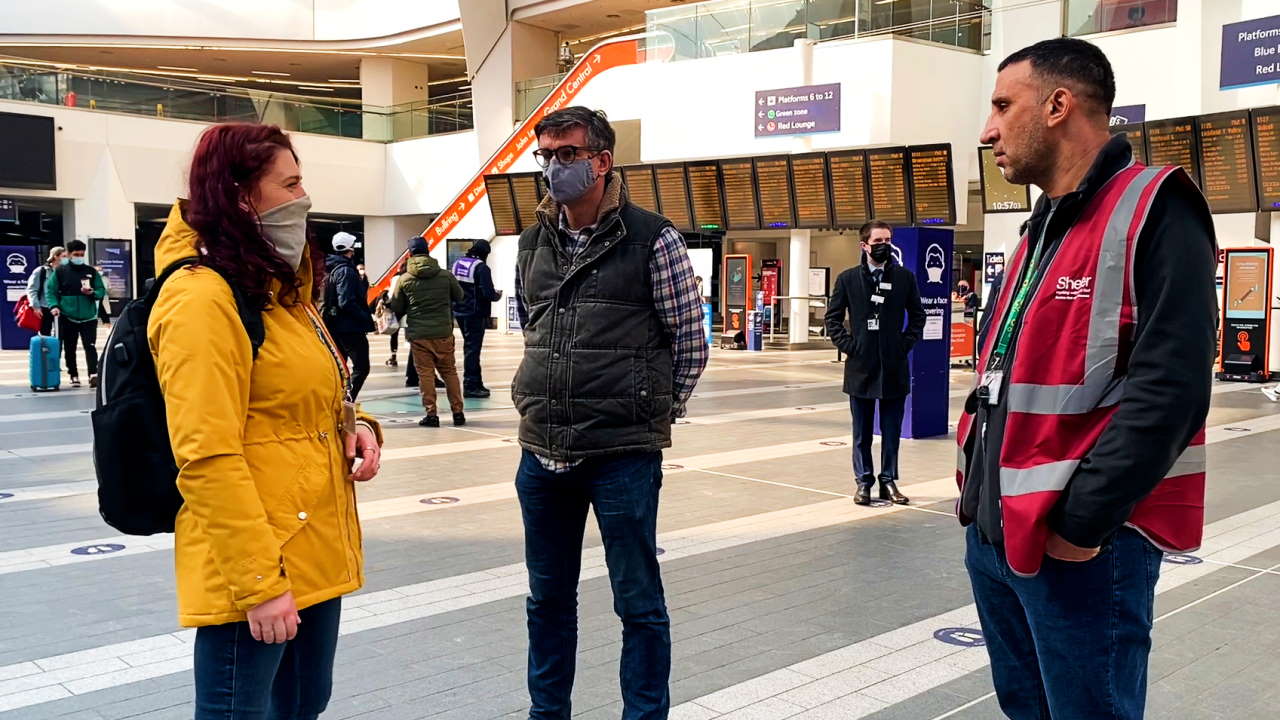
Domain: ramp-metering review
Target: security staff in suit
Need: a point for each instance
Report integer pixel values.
(885, 320)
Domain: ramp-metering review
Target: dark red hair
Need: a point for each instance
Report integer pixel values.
(228, 162)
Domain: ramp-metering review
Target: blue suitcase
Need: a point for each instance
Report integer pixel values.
(46, 367)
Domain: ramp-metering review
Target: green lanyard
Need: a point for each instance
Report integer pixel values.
(1019, 300)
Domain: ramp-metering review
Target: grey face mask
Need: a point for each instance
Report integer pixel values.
(569, 182)
(285, 227)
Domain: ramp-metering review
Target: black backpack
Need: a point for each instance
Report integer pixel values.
(132, 457)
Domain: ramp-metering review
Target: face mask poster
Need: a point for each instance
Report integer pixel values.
(19, 262)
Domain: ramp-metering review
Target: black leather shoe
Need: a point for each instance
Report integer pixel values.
(889, 491)
(459, 419)
(430, 421)
(863, 496)
(480, 393)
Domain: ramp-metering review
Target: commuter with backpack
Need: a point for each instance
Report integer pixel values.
(265, 442)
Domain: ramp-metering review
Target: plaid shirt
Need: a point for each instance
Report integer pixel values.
(675, 297)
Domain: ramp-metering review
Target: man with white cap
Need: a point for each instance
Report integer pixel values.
(346, 311)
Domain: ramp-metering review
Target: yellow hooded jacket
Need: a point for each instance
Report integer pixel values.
(258, 443)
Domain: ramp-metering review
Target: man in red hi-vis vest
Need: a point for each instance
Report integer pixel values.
(1082, 446)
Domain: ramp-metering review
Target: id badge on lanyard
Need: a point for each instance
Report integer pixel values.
(989, 387)
(873, 324)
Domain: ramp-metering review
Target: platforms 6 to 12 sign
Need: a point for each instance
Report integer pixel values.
(798, 110)
(1250, 53)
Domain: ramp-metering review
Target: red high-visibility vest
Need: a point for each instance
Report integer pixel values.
(1067, 376)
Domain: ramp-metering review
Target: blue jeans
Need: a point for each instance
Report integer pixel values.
(623, 490)
(864, 415)
(239, 678)
(1073, 641)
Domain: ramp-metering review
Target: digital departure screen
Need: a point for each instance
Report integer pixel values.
(773, 179)
(849, 188)
(739, 184)
(809, 182)
(1136, 134)
(932, 191)
(673, 198)
(887, 168)
(1000, 195)
(1226, 161)
(1173, 142)
(1266, 143)
(640, 188)
(524, 186)
(503, 208)
(704, 192)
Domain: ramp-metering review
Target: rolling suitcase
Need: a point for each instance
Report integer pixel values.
(46, 359)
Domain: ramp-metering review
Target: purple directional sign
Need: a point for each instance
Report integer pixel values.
(798, 110)
(1250, 53)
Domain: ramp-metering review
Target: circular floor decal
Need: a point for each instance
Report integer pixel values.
(804, 408)
(1236, 429)
(833, 443)
(1181, 559)
(5, 496)
(964, 637)
(103, 549)
(881, 503)
(661, 551)
(672, 466)
(441, 500)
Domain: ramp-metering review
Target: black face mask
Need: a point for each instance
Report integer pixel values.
(881, 253)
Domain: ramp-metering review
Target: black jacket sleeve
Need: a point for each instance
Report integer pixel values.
(837, 309)
(1169, 383)
(915, 315)
(484, 283)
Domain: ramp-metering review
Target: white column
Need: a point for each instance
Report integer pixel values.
(390, 81)
(798, 282)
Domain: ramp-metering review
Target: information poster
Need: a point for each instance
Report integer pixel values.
(1246, 314)
(1250, 53)
(819, 282)
(1000, 195)
(19, 262)
(114, 259)
(770, 280)
(798, 110)
(927, 252)
(736, 280)
(993, 264)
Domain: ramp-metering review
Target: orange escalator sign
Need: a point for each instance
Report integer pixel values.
(617, 53)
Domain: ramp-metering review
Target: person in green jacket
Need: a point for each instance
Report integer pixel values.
(73, 292)
(425, 295)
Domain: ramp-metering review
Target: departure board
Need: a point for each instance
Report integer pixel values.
(524, 186)
(673, 197)
(640, 188)
(1226, 162)
(809, 182)
(849, 188)
(704, 194)
(738, 181)
(1136, 134)
(1000, 195)
(1266, 143)
(887, 170)
(773, 180)
(498, 188)
(933, 197)
(1173, 142)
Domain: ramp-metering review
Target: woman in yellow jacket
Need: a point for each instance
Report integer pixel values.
(268, 447)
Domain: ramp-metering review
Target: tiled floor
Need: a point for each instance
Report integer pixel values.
(787, 600)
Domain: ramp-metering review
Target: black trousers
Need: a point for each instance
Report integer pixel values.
(69, 333)
(473, 327)
(864, 414)
(356, 347)
(46, 321)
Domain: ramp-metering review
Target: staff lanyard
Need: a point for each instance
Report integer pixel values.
(1019, 300)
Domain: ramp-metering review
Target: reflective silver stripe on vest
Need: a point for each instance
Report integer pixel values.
(1191, 462)
(1099, 388)
(1041, 478)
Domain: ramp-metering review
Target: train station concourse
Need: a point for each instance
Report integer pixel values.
(666, 233)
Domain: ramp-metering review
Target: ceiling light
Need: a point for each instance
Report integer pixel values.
(176, 67)
(344, 81)
(313, 87)
(447, 81)
(268, 72)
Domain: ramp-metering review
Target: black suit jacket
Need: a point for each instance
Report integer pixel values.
(876, 366)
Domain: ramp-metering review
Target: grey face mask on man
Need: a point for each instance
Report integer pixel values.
(567, 183)
(285, 227)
